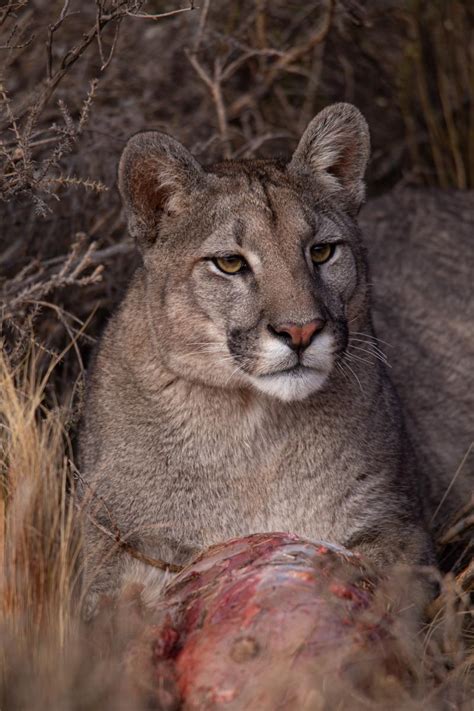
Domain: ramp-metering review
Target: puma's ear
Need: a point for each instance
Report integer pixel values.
(156, 175)
(334, 150)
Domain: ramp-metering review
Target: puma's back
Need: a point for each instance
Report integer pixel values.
(421, 244)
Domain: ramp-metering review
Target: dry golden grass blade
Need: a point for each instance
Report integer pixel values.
(40, 533)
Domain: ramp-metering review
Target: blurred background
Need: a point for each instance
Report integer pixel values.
(236, 79)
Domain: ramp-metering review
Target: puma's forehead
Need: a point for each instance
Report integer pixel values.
(262, 185)
(257, 206)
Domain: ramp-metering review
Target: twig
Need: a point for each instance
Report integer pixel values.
(260, 23)
(214, 84)
(51, 30)
(117, 536)
(86, 107)
(254, 144)
(466, 577)
(20, 292)
(457, 530)
(146, 16)
(202, 24)
(453, 480)
(283, 64)
(105, 61)
(10, 7)
(71, 57)
(8, 45)
(134, 552)
(462, 583)
(94, 185)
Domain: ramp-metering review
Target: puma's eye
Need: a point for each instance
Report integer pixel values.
(233, 264)
(321, 253)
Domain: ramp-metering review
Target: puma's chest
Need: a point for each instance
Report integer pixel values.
(280, 475)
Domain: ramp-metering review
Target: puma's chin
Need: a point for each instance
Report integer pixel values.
(290, 385)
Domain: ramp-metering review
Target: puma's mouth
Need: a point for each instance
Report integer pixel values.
(297, 370)
(288, 375)
(295, 383)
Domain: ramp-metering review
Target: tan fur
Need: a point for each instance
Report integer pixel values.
(201, 423)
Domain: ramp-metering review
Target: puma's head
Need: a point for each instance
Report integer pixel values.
(255, 271)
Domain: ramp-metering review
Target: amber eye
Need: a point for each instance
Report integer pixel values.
(321, 253)
(233, 264)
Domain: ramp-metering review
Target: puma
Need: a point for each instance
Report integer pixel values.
(241, 386)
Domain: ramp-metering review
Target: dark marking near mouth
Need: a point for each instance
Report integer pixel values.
(241, 343)
(237, 342)
(341, 334)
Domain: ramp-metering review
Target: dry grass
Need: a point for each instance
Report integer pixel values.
(39, 540)
(48, 659)
(38, 527)
(437, 92)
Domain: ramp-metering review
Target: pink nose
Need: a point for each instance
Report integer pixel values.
(300, 336)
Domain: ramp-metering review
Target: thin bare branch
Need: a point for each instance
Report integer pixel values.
(147, 16)
(202, 24)
(214, 85)
(114, 532)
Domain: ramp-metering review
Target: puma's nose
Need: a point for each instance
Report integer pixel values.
(298, 337)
